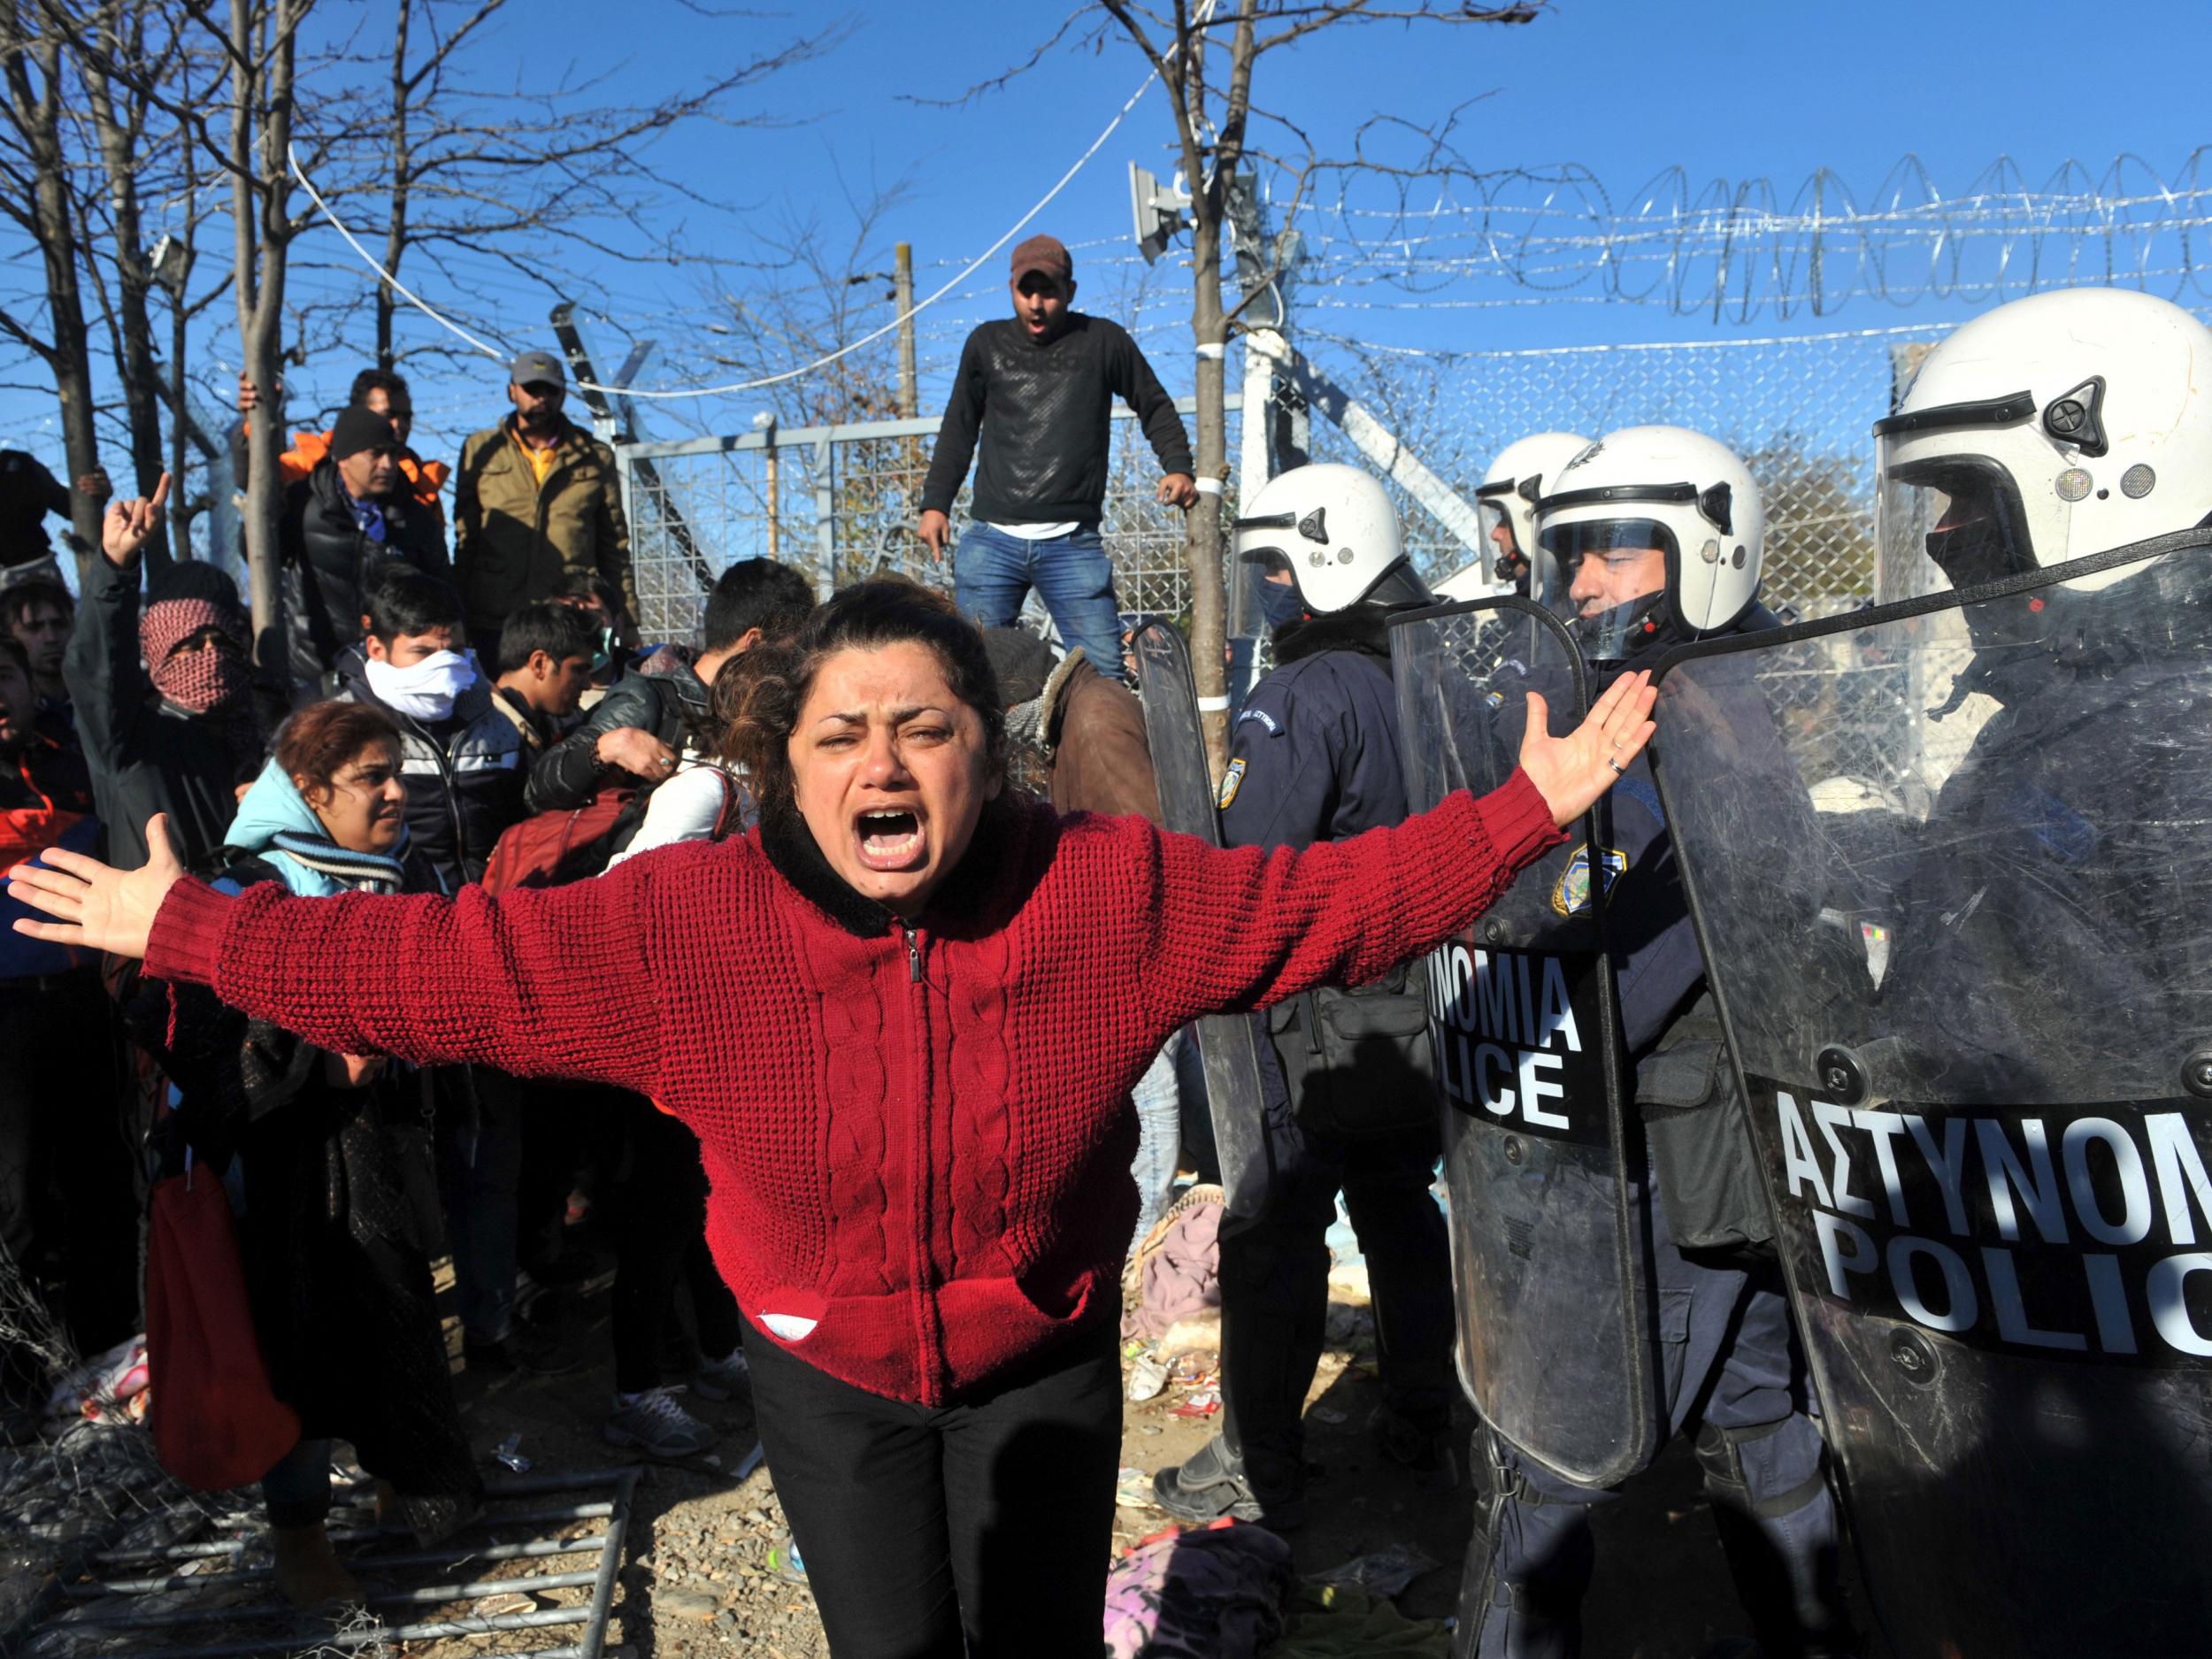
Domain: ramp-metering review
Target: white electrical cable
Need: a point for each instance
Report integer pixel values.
(292, 153)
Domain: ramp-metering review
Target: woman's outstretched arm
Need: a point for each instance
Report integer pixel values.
(1235, 928)
(554, 982)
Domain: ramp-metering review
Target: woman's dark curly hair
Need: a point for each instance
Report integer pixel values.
(868, 616)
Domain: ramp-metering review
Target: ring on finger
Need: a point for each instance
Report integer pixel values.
(1619, 770)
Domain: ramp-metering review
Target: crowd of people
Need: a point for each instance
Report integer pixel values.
(849, 933)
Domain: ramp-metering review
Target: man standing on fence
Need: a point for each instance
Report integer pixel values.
(1047, 376)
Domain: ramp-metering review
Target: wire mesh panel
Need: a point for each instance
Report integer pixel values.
(843, 504)
(1799, 410)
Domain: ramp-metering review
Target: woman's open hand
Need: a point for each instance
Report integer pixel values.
(1572, 772)
(94, 906)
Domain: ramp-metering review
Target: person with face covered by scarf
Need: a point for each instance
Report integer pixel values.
(177, 734)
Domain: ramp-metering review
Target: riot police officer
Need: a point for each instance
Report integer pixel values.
(2018, 1395)
(1314, 756)
(1506, 499)
(1648, 538)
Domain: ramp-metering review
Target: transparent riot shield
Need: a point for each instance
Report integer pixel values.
(1951, 865)
(1225, 1042)
(1525, 1028)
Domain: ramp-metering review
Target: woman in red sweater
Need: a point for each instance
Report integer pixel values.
(903, 1016)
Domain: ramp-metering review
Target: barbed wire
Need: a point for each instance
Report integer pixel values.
(1733, 249)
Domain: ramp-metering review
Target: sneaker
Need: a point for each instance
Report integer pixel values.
(1215, 1482)
(657, 1425)
(723, 1378)
(523, 1348)
(1427, 1456)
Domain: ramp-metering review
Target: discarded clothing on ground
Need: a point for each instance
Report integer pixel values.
(1218, 1593)
(1179, 1267)
(1329, 1622)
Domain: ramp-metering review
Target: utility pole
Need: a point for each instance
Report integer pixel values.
(902, 281)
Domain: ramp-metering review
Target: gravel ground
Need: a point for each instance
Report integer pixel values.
(705, 1567)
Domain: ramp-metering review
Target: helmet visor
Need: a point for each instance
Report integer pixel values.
(1953, 521)
(1604, 578)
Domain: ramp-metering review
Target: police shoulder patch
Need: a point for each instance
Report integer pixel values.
(1572, 892)
(1230, 782)
(1261, 718)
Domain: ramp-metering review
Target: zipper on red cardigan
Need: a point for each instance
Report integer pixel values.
(913, 953)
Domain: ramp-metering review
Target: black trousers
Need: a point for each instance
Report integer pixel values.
(664, 1242)
(68, 1190)
(988, 1522)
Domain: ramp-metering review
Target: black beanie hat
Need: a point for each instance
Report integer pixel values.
(194, 579)
(360, 430)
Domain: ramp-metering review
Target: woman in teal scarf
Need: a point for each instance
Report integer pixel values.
(330, 1154)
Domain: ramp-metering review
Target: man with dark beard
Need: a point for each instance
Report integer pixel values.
(536, 502)
(179, 735)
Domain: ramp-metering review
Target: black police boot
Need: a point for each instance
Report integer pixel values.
(1783, 1548)
(1217, 1481)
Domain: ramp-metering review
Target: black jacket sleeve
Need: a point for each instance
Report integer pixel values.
(1134, 382)
(106, 685)
(568, 774)
(957, 435)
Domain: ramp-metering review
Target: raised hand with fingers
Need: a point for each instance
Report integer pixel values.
(129, 523)
(96, 906)
(1570, 773)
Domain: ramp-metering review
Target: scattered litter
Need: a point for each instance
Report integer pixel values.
(1132, 1489)
(1384, 1573)
(509, 1452)
(1202, 1402)
(505, 1603)
(785, 1560)
(1147, 1377)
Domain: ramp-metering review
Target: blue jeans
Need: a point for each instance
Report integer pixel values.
(993, 571)
(1159, 1137)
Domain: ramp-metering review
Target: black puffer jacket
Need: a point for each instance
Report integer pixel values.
(328, 561)
(464, 775)
(669, 704)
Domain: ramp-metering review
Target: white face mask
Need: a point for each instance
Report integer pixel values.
(427, 691)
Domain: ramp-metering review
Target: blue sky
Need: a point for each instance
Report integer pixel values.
(1724, 91)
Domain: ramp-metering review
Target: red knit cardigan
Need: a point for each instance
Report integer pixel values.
(919, 1138)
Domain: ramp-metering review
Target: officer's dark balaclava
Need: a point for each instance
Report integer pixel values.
(1281, 605)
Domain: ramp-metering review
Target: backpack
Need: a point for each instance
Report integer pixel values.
(568, 844)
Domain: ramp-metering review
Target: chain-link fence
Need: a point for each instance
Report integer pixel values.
(841, 502)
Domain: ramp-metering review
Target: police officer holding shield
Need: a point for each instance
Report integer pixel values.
(1506, 500)
(1314, 756)
(1649, 538)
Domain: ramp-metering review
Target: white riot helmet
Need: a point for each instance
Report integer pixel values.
(2050, 428)
(1333, 529)
(1507, 495)
(1645, 487)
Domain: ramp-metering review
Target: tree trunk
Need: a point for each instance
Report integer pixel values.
(261, 131)
(1208, 623)
(138, 366)
(68, 353)
(403, 176)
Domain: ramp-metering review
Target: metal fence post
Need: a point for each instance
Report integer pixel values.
(824, 518)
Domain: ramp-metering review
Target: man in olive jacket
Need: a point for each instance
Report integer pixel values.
(536, 500)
